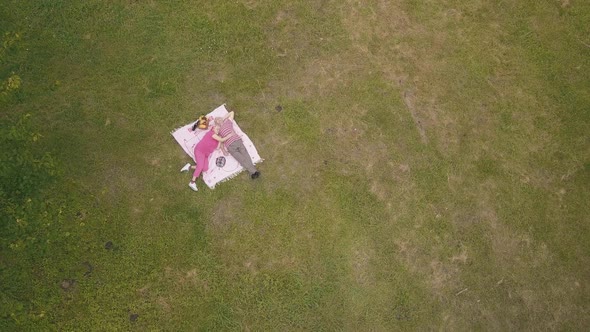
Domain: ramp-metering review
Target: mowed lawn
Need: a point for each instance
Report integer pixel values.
(426, 165)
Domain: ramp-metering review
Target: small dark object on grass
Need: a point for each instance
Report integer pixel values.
(255, 175)
(279, 108)
(133, 317)
(89, 268)
(108, 245)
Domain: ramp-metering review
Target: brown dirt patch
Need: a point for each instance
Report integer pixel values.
(144, 291)
(461, 257)
(250, 4)
(163, 304)
(441, 275)
(191, 279)
(360, 264)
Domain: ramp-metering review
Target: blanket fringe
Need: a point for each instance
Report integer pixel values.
(234, 175)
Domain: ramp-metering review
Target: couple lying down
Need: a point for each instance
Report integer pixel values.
(221, 135)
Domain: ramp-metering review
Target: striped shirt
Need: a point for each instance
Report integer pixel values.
(227, 128)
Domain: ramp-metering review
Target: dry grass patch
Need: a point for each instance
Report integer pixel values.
(360, 256)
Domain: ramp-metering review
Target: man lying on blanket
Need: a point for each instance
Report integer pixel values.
(233, 143)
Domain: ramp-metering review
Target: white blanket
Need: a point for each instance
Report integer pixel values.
(188, 139)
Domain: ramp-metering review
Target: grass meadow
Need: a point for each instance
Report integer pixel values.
(428, 167)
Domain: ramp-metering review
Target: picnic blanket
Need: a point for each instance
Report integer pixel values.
(188, 139)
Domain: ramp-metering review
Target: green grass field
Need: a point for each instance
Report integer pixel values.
(429, 170)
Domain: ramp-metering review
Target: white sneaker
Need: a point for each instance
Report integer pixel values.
(193, 186)
(186, 167)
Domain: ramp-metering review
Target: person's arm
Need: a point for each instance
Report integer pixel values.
(229, 115)
(221, 139)
(223, 149)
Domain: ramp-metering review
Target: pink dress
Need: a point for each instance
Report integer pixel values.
(203, 150)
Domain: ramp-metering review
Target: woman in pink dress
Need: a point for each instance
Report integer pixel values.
(203, 150)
